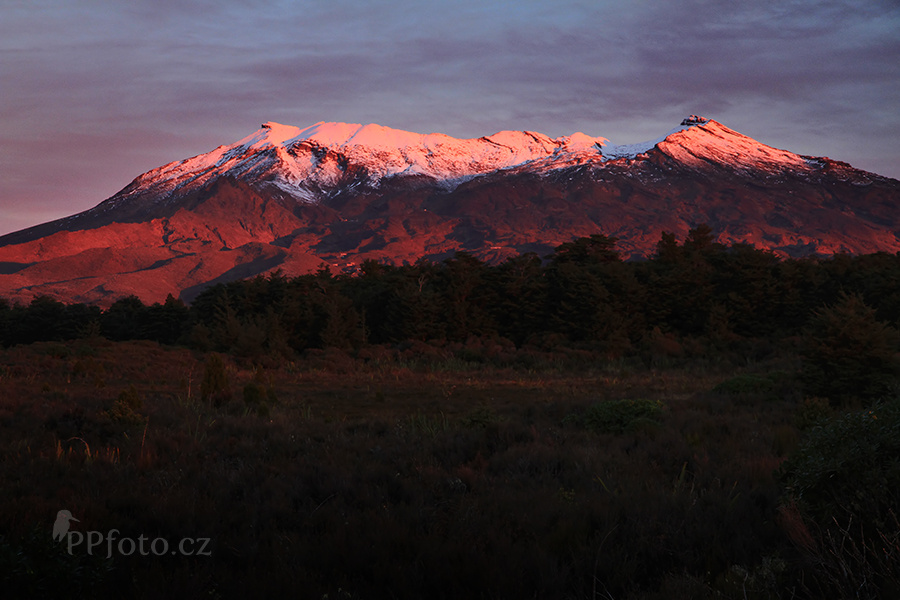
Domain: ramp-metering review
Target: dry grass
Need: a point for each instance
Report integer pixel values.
(394, 478)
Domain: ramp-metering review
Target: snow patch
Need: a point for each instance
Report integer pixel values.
(631, 151)
(579, 142)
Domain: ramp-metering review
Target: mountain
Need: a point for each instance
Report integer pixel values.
(335, 193)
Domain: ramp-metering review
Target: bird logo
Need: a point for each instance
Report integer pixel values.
(61, 526)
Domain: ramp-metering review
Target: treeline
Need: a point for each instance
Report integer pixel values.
(696, 294)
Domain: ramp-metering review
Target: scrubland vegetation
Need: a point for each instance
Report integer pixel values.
(712, 423)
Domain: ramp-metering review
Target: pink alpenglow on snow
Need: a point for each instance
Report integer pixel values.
(289, 198)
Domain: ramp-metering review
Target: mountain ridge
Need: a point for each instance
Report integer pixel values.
(337, 193)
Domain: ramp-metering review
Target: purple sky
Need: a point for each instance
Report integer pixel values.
(94, 93)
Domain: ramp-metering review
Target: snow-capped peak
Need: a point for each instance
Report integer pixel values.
(300, 161)
(341, 136)
(307, 162)
(701, 141)
(579, 142)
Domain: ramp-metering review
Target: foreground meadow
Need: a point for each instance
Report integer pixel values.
(406, 473)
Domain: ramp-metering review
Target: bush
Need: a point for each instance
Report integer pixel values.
(215, 387)
(127, 406)
(849, 354)
(745, 384)
(812, 412)
(849, 463)
(618, 416)
(842, 492)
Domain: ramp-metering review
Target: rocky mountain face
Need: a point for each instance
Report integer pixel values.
(292, 199)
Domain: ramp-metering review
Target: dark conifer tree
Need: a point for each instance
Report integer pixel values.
(167, 322)
(580, 306)
(5, 322)
(44, 319)
(746, 288)
(125, 320)
(520, 306)
(374, 295)
(466, 297)
(850, 354)
(421, 309)
(682, 286)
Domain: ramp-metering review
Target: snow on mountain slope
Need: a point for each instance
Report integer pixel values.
(304, 162)
(631, 151)
(308, 163)
(711, 142)
(292, 198)
(313, 164)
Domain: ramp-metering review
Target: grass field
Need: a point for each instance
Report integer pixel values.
(392, 474)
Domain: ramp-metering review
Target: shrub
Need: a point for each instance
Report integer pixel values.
(849, 463)
(849, 354)
(428, 425)
(255, 396)
(215, 387)
(90, 368)
(481, 417)
(842, 491)
(617, 416)
(125, 408)
(812, 412)
(259, 395)
(745, 384)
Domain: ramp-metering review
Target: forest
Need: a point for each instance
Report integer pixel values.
(712, 422)
(694, 298)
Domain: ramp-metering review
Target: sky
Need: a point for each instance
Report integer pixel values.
(94, 93)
